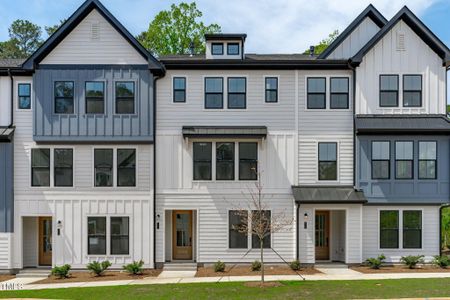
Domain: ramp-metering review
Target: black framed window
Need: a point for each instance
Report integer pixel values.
(237, 92)
(95, 97)
(248, 161)
(217, 48)
(339, 93)
(262, 219)
(404, 160)
(64, 93)
(388, 90)
(412, 90)
(327, 161)
(236, 238)
(126, 167)
(224, 161)
(179, 89)
(40, 167)
(316, 93)
(412, 229)
(427, 160)
(24, 95)
(103, 165)
(125, 91)
(271, 89)
(202, 160)
(97, 235)
(389, 229)
(233, 49)
(120, 236)
(381, 159)
(214, 92)
(63, 167)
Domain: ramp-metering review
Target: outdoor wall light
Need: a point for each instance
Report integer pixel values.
(58, 227)
(305, 218)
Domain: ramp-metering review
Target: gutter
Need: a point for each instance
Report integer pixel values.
(12, 97)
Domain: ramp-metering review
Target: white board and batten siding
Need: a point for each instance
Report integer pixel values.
(401, 52)
(94, 41)
(72, 205)
(324, 125)
(430, 233)
(356, 40)
(6, 250)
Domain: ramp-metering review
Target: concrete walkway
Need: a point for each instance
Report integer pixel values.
(351, 275)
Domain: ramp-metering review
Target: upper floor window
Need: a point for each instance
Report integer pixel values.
(412, 90)
(225, 161)
(103, 166)
(271, 89)
(381, 160)
(64, 94)
(316, 93)
(233, 49)
(214, 92)
(327, 161)
(95, 97)
(24, 95)
(339, 93)
(63, 167)
(388, 90)
(40, 167)
(125, 97)
(202, 160)
(427, 160)
(404, 159)
(237, 91)
(126, 167)
(179, 89)
(217, 48)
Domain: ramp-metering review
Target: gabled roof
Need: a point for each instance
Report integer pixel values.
(76, 19)
(416, 25)
(370, 12)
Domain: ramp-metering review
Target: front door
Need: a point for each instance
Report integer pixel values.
(322, 234)
(182, 234)
(45, 241)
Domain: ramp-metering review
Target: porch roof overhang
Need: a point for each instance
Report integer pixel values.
(6, 134)
(224, 131)
(328, 195)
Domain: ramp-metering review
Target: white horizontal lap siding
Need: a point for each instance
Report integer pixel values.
(356, 40)
(6, 250)
(417, 58)
(5, 101)
(80, 48)
(212, 229)
(430, 233)
(276, 116)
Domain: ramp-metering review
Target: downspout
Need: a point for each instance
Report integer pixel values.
(12, 97)
(297, 242)
(354, 123)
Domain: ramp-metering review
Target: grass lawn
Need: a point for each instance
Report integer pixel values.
(290, 290)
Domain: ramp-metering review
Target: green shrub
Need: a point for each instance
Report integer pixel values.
(441, 261)
(412, 260)
(135, 268)
(256, 265)
(98, 268)
(295, 265)
(61, 271)
(375, 263)
(219, 266)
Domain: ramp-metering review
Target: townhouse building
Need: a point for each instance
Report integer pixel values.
(109, 153)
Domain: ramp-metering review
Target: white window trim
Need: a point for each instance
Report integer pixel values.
(16, 95)
(328, 92)
(136, 96)
(400, 91)
(225, 93)
(264, 89)
(105, 98)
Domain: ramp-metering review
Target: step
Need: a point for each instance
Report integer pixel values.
(330, 266)
(27, 273)
(180, 267)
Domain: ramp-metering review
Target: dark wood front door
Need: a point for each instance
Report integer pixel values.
(182, 234)
(45, 241)
(322, 234)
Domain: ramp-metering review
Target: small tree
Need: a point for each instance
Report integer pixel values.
(259, 222)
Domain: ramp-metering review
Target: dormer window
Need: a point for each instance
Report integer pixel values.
(233, 49)
(217, 49)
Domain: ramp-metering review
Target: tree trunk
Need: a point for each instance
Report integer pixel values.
(262, 260)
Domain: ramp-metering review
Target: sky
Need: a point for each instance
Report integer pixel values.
(282, 26)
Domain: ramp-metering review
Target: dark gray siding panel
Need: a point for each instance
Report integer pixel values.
(404, 191)
(6, 187)
(81, 127)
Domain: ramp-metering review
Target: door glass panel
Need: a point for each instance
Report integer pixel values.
(47, 235)
(182, 228)
(321, 240)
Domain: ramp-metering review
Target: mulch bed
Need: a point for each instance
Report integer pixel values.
(6, 277)
(82, 276)
(245, 270)
(400, 269)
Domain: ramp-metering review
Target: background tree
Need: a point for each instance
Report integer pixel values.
(172, 31)
(51, 29)
(258, 220)
(445, 230)
(319, 48)
(24, 38)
